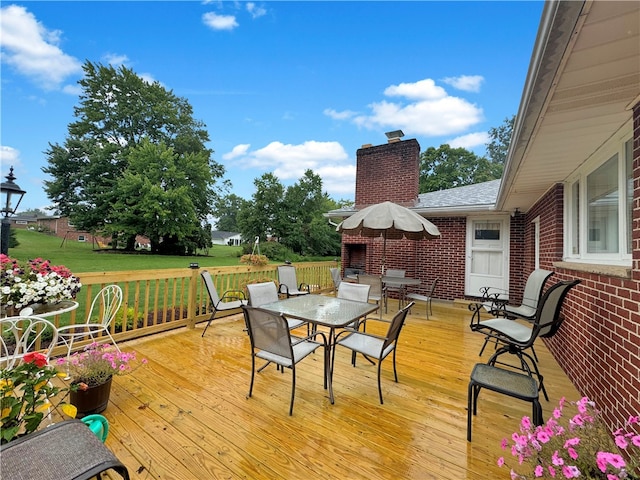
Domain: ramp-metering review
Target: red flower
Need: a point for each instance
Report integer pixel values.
(34, 357)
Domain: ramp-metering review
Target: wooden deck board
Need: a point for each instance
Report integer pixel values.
(186, 415)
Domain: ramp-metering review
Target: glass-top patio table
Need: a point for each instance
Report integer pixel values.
(320, 310)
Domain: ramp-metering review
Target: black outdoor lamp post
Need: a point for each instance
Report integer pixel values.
(11, 195)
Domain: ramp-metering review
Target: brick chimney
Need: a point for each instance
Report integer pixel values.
(389, 172)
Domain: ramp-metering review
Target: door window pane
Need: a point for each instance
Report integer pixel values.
(487, 231)
(602, 208)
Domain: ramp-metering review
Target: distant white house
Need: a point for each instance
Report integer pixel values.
(225, 238)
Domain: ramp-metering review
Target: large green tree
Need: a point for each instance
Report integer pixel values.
(446, 167)
(227, 208)
(294, 216)
(261, 217)
(498, 146)
(122, 119)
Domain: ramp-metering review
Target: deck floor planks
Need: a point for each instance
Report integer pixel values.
(420, 431)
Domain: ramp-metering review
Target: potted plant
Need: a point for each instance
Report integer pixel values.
(580, 447)
(27, 396)
(34, 282)
(91, 372)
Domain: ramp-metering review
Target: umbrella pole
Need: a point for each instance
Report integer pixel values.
(384, 252)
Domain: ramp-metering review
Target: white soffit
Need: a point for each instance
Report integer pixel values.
(599, 76)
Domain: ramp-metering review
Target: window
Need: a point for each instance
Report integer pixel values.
(81, 238)
(598, 206)
(487, 231)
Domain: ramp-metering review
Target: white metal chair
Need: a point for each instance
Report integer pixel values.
(400, 291)
(271, 340)
(267, 292)
(289, 283)
(425, 298)
(375, 292)
(231, 299)
(22, 334)
(335, 277)
(358, 292)
(103, 310)
(374, 346)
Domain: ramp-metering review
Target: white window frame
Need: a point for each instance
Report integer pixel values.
(615, 145)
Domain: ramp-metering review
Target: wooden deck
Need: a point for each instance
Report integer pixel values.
(186, 414)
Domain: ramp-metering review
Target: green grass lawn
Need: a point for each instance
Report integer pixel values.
(80, 256)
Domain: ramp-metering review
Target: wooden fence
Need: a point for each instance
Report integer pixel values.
(160, 300)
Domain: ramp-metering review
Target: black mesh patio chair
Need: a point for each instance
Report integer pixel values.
(374, 347)
(496, 301)
(516, 337)
(230, 300)
(289, 283)
(271, 340)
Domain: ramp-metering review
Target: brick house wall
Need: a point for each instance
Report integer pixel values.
(598, 345)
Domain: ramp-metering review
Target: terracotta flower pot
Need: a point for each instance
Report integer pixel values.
(93, 400)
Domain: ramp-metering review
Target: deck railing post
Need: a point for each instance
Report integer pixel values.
(191, 300)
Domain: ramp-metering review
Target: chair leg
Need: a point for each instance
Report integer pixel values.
(379, 383)
(293, 387)
(470, 399)
(253, 373)
(208, 323)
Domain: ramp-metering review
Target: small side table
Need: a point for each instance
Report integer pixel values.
(65, 451)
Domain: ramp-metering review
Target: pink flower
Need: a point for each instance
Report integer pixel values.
(539, 471)
(576, 420)
(504, 443)
(572, 453)
(525, 424)
(636, 440)
(500, 461)
(557, 413)
(556, 459)
(572, 442)
(601, 461)
(570, 471)
(543, 436)
(552, 471)
(621, 442)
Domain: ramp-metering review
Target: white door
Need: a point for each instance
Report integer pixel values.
(487, 254)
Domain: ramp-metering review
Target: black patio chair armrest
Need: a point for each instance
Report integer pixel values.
(284, 290)
(312, 336)
(304, 287)
(477, 309)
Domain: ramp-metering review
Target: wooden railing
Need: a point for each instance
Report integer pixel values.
(160, 300)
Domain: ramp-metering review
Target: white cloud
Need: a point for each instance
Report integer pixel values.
(288, 162)
(219, 22)
(9, 157)
(431, 111)
(468, 83)
(116, 60)
(255, 10)
(238, 151)
(422, 90)
(470, 140)
(344, 115)
(33, 50)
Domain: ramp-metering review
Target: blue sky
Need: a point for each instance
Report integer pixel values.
(281, 86)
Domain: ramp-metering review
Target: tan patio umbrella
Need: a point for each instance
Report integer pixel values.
(388, 220)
